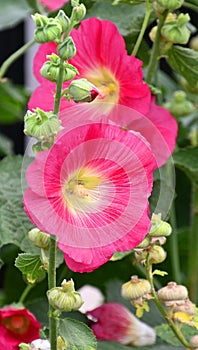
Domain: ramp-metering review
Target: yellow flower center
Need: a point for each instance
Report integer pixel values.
(82, 189)
(106, 83)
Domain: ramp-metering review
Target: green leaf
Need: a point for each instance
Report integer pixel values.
(129, 23)
(13, 102)
(120, 255)
(106, 345)
(160, 273)
(187, 160)
(14, 223)
(6, 145)
(30, 265)
(77, 335)
(165, 333)
(185, 62)
(128, 2)
(12, 12)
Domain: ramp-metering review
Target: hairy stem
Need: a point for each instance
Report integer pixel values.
(163, 312)
(25, 293)
(155, 49)
(59, 88)
(143, 29)
(7, 63)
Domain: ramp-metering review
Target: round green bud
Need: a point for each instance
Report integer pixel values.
(81, 90)
(169, 4)
(67, 49)
(176, 30)
(159, 227)
(39, 238)
(194, 43)
(156, 254)
(78, 13)
(179, 105)
(63, 20)
(65, 298)
(135, 288)
(51, 31)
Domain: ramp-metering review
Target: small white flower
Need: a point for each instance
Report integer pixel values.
(40, 344)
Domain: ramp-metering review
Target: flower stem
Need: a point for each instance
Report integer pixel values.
(193, 246)
(52, 284)
(174, 249)
(143, 29)
(7, 63)
(25, 293)
(163, 312)
(59, 88)
(156, 49)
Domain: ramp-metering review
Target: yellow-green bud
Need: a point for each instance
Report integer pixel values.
(169, 4)
(194, 43)
(78, 13)
(39, 238)
(65, 298)
(50, 69)
(156, 254)
(48, 29)
(179, 105)
(67, 49)
(63, 20)
(81, 90)
(172, 292)
(159, 227)
(135, 288)
(24, 346)
(176, 30)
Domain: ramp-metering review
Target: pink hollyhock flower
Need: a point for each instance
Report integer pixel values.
(114, 322)
(91, 190)
(17, 326)
(102, 59)
(53, 5)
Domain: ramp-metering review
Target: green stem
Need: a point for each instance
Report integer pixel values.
(52, 284)
(7, 63)
(163, 312)
(25, 293)
(174, 249)
(59, 87)
(143, 29)
(193, 247)
(156, 49)
(190, 6)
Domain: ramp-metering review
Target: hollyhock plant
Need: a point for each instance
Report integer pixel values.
(53, 5)
(114, 322)
(17, 326)
(102, 59)
(91, 190)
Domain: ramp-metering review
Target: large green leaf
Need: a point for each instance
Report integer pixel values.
(12, 12)
(105, 345)
(13, 103)
(77, 335)
(14, 224)
(165, 333)
(31, 266)
(6, 145)
(129, 23)
(187, 160)
(184, 61)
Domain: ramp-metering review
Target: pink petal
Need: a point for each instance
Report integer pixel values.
(53, 4)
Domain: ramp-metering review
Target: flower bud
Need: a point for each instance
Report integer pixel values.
(156, 254)
(24, 346)
(135, 288)
(172, 292)
(50, 69)
(67, 49)
(81, 90)
(48, 29)
(194, 43)
(187, 307)
(44, 126)
(65, 298)
(63, 20)
(179, 105)
(176, 30)
(194, 341)
(169, 4)
(40, 239)
(159, 227)
(78, 13)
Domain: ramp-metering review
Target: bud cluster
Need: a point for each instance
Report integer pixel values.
(50, 69)
(179, 105)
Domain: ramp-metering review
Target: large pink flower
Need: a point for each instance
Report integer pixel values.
(102, 59)
(91, 190)
(17, 326)
(114, 322)
(53, 5)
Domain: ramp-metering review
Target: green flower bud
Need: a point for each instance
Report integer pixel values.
(179, 105)
(78, 13)
(82, 90)
(159, 227)
(156, 254)
(172, 291)
(63, 20)
(176, 30)
(67, 49)
(194, 43)
(135, 288)
(50, 69)
(39, 238)
(65, 298)
(24, 346)
(44, 126)
(48, 29)
(169, 4)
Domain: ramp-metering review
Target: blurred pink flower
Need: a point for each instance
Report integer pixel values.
(17, 326)
(91, 190)
(102, 59)
(53, 5)
(114, 322)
